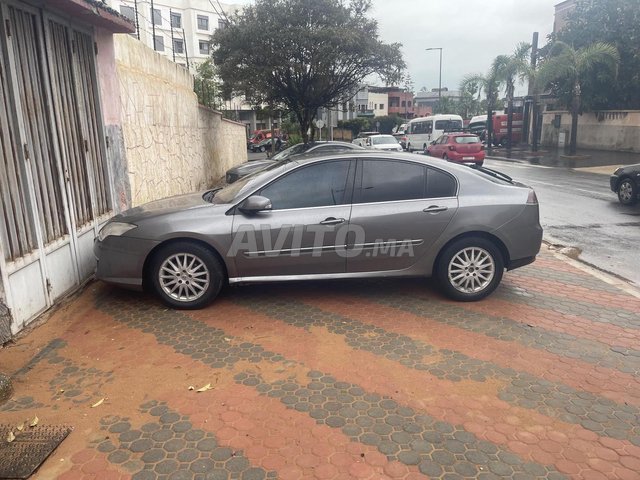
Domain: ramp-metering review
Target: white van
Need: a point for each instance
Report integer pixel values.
(422, 131)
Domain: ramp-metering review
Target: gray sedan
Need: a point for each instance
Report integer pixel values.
(349, 215)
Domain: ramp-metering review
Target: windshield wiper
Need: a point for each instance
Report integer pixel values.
(208, 196)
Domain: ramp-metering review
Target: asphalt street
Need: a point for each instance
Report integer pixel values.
(578, 209)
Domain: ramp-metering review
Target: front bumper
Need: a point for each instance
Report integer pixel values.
(614, 182)
(121, 260)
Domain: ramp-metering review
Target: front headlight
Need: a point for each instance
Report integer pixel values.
(618, 171)
(114, 228)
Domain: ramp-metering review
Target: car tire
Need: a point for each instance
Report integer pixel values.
(627, 192)
(197, 283)
(458, 266)
(262, 149)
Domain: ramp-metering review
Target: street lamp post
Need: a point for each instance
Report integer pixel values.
(439, 76)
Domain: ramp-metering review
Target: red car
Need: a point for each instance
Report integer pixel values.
(458, 147)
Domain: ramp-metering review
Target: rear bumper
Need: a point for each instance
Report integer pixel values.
(470, 157)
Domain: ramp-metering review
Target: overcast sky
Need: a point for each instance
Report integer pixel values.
(471, 32)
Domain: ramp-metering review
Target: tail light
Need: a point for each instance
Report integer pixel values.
(481, 147)
(452, 148)
(403, 139)
(532, 199)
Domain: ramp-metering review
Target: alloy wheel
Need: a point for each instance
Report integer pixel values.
(184, 277)
(471, 270)
(626, 191)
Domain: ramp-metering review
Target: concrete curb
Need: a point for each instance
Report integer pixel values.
(6, 389)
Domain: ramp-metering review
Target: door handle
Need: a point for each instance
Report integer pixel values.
(435, 209)
(332, 221)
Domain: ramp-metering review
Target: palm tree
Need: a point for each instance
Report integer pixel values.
(511, 69)
(572, 67)
(490, 85)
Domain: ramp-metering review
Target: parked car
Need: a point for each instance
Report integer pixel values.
(458, 147)
(382, 215)
(383, 142)
(625, 181)
(236, 173)
(361, 139)
(265, 145)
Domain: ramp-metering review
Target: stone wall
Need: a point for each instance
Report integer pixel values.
(606, 130)
(172, 145)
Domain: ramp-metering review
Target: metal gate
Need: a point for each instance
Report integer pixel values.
(54, 182)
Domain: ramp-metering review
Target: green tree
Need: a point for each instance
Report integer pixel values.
(616, 22)
(355, 125)
(489, 84)
(304, 54)
(206, 85)
(571, 67)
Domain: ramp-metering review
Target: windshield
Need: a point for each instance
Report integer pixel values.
(468, 139)
(383, 140)
(295, 150)
(449, 125)
(228, 193)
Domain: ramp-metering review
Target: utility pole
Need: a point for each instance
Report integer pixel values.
(534, 95)
(135, 7)
(153, 25)
(186, 53)
(173, 43)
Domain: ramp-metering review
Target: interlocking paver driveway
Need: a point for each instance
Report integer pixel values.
(362, 379)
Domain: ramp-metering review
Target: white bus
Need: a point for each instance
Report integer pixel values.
(422, 131)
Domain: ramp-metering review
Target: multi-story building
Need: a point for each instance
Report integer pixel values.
(372, 102)
(179, 29)
(428, 100)
(562, 14)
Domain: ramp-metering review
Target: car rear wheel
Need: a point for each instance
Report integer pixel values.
(627, 192)
(186, 275)
(470, 269)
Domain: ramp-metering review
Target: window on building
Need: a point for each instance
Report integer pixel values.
(204, 48)
(203, 22)
(404, 103)
(409, 103)
(128, 12)
(222, 23)
(178, 46)
(176, 20)
(159, 43)
(382, 106)
(156, 16)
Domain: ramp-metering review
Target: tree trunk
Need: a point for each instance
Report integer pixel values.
(509, 118)
(575, 110)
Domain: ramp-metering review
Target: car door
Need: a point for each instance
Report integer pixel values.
(305, 231)
(400, 208)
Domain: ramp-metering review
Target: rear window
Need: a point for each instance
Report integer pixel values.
(449, 125)
(384, 139)
(468, 139)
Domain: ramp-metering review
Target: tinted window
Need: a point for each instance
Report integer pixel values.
(448, 125)
(467, 139)
(313, 186)
(440, 184)
(387, 181)
(384, 140)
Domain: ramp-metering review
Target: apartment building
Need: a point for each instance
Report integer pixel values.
(178, 29)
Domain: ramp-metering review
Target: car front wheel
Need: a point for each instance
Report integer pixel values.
(470, 269)
(627, 192)
(186, 275)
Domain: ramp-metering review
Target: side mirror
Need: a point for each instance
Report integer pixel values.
(255, 204)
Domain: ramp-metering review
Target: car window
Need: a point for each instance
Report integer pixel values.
(387, 181)
(467, 139)
(429, 127)
(294, 150)
(316, 185)
(448, 125)
(384, 140)
(440, 184)
(443, 139)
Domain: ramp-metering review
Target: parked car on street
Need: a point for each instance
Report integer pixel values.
(458, 147)
(361, 139)
(625, 181)
(344, 215)
(265, 145)
(382, 142)
(236, 173)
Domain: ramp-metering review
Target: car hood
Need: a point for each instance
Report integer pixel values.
(164, 206)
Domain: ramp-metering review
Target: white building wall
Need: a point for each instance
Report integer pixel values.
(193, 36)
(379, 103)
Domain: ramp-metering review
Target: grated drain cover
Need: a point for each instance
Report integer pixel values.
(20, 458)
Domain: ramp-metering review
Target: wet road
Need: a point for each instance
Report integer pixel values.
(578, 209)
